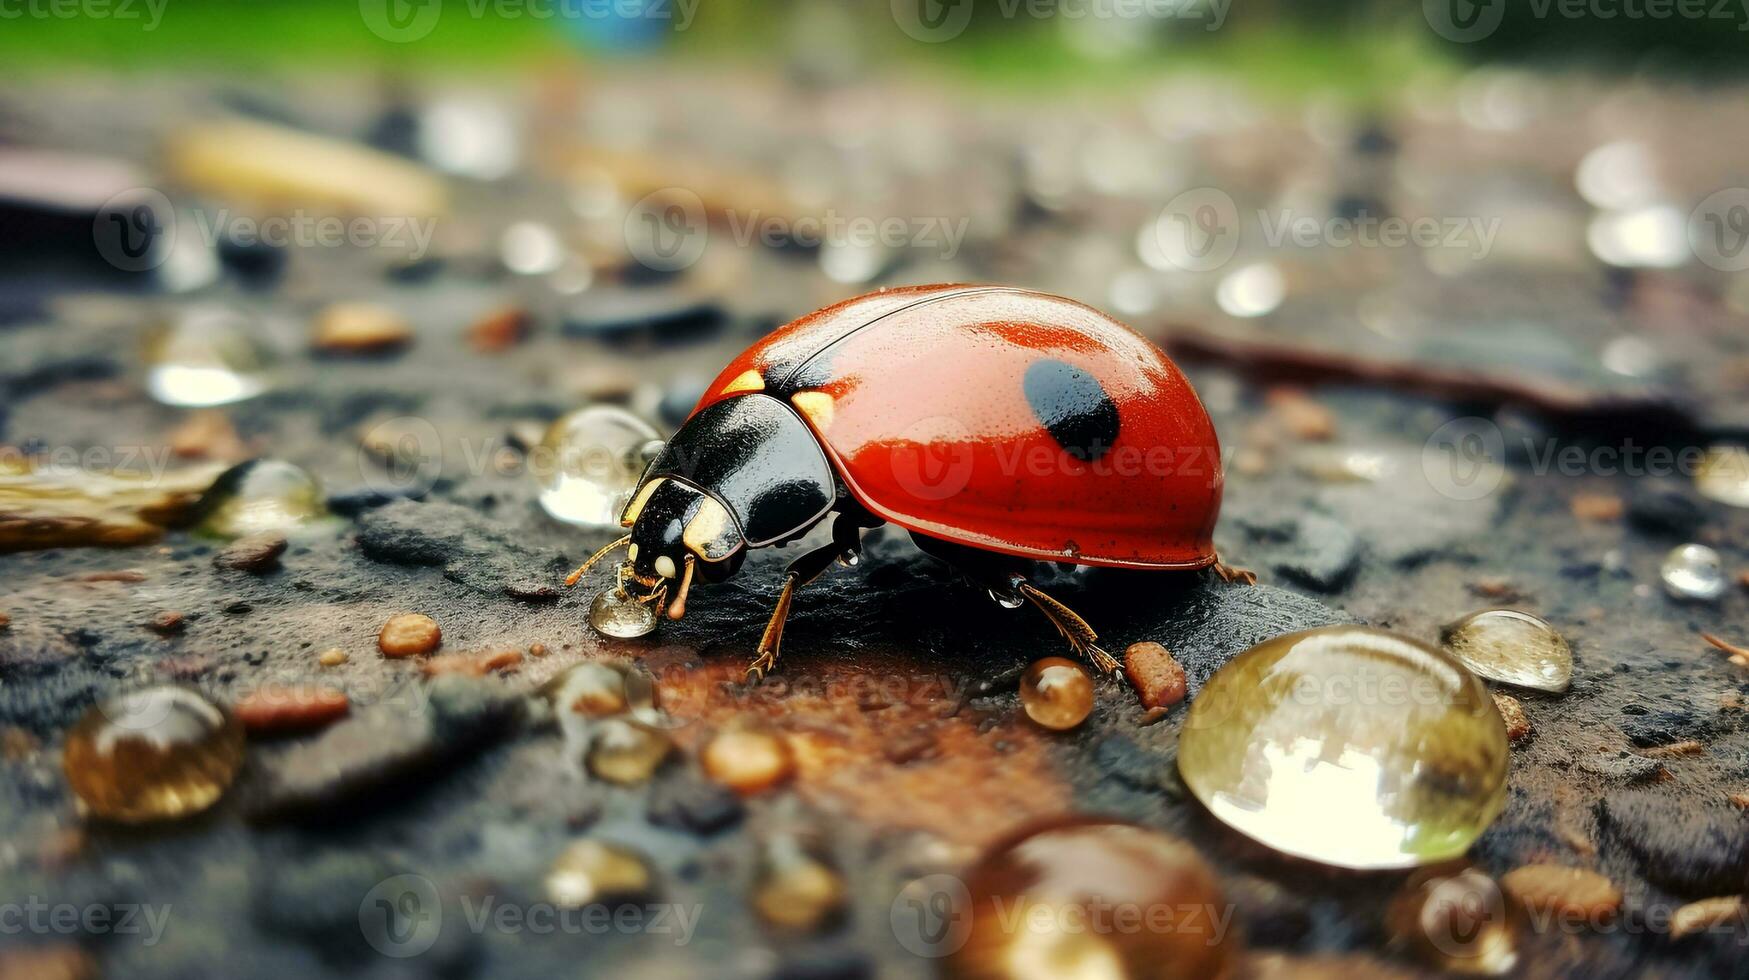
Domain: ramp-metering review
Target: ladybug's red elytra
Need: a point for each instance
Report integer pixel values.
(1002, 427)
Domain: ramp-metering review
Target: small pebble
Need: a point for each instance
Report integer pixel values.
(332, 657)
(538, 650)
(5, 620)
(409, 635)
(499, 330)
(1574, 892)
(1694, 573)
(255, 553)
(748, 762)
(278, 709)
(1599, 508)
(590, 871)
(472, 664)
(57, 961)
(1056, 693)
(626, 752)
(1707, 914)
(207, 435)
(360, 328)
(168, 623)
(1301, 415)
(1156, 675)
(1512, 713)
(128, 576)
(797, 892)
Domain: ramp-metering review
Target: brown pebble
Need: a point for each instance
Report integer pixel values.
(537, 650)
(128, 575)
(1495, 587)
(1739, 800)
(1743, 579)
(276, 709)
(5, 620)
(472, 664)
(256, 553)
(168, 622)
(1598, 508)
(1301, 415)
(1707, 914)
(499, 329)
(333, 657)
(1155, 674)
(207, 435)
(61, 961)
(1689, 747)
(748, 762)
(1565, 891)
(1512, 713)
(409, 635)
(360, 328)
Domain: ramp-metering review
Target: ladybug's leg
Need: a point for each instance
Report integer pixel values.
(804, 569)
(1074, 629)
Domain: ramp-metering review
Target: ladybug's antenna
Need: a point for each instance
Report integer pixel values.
(583, 569)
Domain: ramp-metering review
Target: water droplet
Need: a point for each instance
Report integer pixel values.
(1060, 883)
(1511, 647)
(1007, 600)
(627, 752)
(1460, 922)
(590, 871)
(1056, 693)
(1350, 746)
(1251, 291)
(748, 761)
(602, 689)
(262, 495)
(1617, 175)
(1694, 573)
(1724, 475)
(207, 357)
(1653, 237)
(797, 891)
(529, 248)
(153, 754)
(589, 463)
(616, 614)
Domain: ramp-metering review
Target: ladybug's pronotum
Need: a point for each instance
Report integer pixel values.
(1001, 427)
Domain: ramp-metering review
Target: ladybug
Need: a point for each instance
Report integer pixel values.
(1000, 426)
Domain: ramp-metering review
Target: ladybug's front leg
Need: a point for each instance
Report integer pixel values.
(803, 570)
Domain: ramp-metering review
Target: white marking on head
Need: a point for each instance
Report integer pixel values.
(665, 566)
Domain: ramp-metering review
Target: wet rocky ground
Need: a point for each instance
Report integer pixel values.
(897, 691)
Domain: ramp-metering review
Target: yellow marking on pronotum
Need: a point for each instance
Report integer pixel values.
(711, 533)
(816, 405)
(745, 381)
(629, 516)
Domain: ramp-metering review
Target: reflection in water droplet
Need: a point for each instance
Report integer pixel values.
(154, 754)
(1511, 647)
(471, 137)
(1694, 573)
(1056, 693)
(262, 495)
(1631, 356)
(1254, 290)
(1460, 922)
(529, 248)
(1652, 237)
(1617, 176)
(589, 462)
(616, 614)
(1724, 475)
(1350, 746)
(207, 357)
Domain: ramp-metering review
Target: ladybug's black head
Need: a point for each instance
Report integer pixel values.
(676, 528)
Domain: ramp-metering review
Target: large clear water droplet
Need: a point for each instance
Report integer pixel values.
(1694, 573)
(616, 614)
(207, 357)
(1350, 746)
(589, 462)
(262, 495)
(1511, 647)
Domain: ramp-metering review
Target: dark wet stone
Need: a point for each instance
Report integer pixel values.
(1623, 767)
(255, 262)
(1120, 757)
(395, 744)
(824, 963)
(43, 358)
(1665, 508)
(1313, 551)
(481, 554)
(1273, 915)
(1664, 726)
(1683, 844)
(619, 313)
(355, 501)
(688, 802)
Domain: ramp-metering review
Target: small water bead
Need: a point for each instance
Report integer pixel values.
(207, 357)
(748, 761)
(1350, 746)
(1694, 573)
(1091, 898)
(590, 871)
(1458, 921)
(1723, 475)
(796, 890)
(1511, 647)
(262, 495)
(154, 754)
(602, 689)
(1056, 693)
(618, 615)
(627, 752)
(590, 461)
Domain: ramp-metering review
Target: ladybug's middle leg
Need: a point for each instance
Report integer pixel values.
(1074, 629)
(846, 542)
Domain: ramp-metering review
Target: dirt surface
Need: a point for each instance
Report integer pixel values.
(897, 689)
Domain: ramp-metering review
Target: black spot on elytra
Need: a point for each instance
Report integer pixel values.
(1070, 403)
